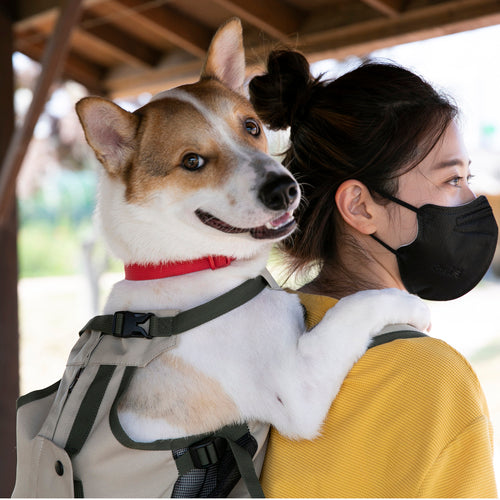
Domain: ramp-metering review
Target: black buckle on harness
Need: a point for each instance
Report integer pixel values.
(126, 324)
(207, 452)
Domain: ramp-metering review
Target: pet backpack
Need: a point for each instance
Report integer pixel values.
(69, 439)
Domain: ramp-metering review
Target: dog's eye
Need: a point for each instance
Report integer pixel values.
(252, 127)
(193, 161)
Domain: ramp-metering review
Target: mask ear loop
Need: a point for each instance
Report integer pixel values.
(384, 244)
(399, 202)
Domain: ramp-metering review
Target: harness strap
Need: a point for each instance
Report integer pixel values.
(243, 459)
(398, 334)
(247, 469)
(129, 324)
(87, 412)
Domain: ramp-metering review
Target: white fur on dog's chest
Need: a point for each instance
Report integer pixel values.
(233, 361)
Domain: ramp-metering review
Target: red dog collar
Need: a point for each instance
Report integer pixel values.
(139, 272)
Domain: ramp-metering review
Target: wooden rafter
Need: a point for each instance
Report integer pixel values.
(124, 82)
(273, 17)
(124, 19)
(119, 44)
(168, 24)
(124, 47)
(352, 39)
(436, 20)
(36, 12)
(391, 8)
(76, 67)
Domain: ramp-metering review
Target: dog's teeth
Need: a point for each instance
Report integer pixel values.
(280, 221)
(270, 225)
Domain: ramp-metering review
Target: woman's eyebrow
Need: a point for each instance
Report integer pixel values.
(450, 163)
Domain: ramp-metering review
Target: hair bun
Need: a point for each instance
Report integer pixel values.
(280, 94)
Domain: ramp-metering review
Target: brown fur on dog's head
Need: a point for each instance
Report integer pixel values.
(112, 132)
(196, 149)
(143, 147)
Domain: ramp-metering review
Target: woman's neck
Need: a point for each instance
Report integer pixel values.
(360, 266)
(337, 282)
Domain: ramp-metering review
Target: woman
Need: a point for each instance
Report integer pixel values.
(385, 177)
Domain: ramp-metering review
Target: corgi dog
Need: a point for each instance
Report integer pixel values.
(187, 179)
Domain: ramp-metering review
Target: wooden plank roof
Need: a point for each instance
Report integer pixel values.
(125, 47)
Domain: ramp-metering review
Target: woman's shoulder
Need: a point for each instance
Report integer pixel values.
(422, 354)
(423, 370)
(409, 355)
(408, 368)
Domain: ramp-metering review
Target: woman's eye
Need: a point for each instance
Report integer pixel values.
(460, 181)
(252, 127)
(193, 161)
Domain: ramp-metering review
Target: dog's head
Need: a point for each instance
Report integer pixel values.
(187, 175)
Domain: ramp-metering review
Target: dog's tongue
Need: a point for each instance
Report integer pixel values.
(280, 220)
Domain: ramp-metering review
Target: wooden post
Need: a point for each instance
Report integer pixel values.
(52, 64)
(9, 332)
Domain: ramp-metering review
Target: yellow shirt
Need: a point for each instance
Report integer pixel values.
(409, 421)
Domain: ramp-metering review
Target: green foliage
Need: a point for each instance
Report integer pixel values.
(48, 250)
(65, 197)
(53, 224)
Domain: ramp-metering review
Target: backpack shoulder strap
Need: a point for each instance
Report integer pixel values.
(130, 324)
(394, 332)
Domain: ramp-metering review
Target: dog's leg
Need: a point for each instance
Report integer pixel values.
(326, 353)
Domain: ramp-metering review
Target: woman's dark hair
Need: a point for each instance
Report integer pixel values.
(371, 124)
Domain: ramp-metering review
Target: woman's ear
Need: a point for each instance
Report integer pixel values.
(356, 206)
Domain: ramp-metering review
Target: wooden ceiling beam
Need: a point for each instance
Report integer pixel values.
(172, 26)
(30, 12)
(183, 42)
(176, 69)
(32, 44)
(274, 17)
(86, 73)
(120, 45)
(391, 8)
(412, 25)
(123, 18)
(359, 39)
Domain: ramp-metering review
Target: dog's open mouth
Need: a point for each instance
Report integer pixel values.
(277, 228)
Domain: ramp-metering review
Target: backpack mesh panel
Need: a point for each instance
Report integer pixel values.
(215, 481)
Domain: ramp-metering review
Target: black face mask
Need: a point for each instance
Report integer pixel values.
(452, 251)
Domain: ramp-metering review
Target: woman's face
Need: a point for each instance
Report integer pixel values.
(442, 178)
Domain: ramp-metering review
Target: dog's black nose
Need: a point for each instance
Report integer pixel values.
(278, 192)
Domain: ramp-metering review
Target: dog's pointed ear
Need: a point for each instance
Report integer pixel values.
(226, 56)
(109, 130)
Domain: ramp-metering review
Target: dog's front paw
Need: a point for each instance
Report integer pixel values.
(387, 307)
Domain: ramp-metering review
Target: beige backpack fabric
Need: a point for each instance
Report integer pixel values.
(70, 442)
